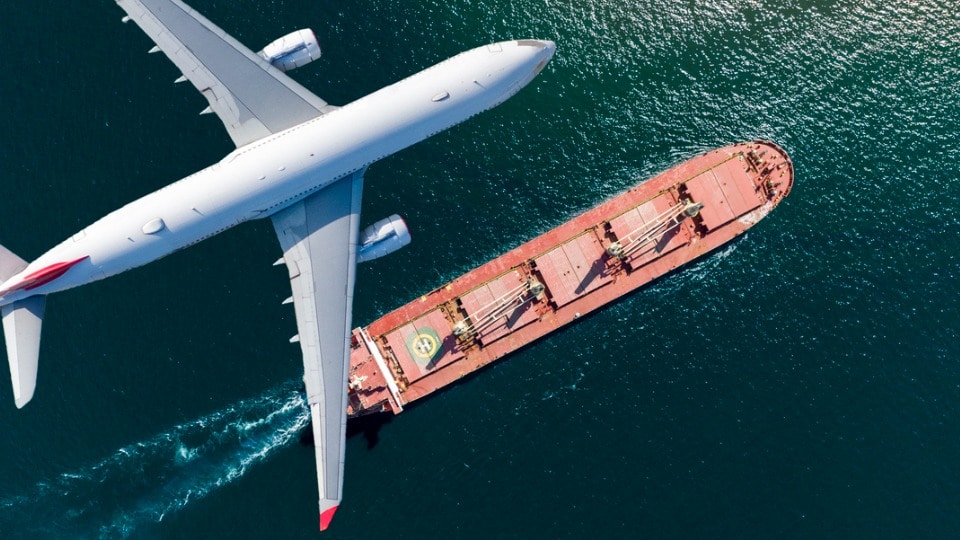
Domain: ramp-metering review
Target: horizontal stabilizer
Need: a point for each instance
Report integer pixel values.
(21, 328)
(10, 264)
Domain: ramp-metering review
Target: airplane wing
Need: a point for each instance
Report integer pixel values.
(319, 240)
(318, 235)
(251, 97)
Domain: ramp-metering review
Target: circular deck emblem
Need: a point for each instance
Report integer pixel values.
(423, 345)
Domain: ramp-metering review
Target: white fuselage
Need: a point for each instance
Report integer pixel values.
(259, 179)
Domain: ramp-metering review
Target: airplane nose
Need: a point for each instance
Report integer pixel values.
(548, 47)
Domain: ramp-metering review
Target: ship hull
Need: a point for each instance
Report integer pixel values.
(551, 281)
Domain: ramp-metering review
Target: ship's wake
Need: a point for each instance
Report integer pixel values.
(143, 482)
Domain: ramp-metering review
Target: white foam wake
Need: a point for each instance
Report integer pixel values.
(143, 482)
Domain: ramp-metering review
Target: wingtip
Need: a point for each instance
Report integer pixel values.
(22, 390)
(21, 401)
(326, 517)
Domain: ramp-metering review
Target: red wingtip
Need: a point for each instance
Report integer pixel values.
(326, 517)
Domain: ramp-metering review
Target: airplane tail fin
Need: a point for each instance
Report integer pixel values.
(21, 328)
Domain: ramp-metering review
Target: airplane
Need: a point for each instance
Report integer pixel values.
(298, 161)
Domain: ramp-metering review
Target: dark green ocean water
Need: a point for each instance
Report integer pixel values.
(802, 383)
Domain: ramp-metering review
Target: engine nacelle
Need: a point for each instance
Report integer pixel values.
(292, 50)
(382, 238)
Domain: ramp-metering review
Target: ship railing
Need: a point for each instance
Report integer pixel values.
(654, 230)
(388, 375)
(503, 306)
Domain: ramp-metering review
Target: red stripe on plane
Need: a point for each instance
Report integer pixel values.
(44, 275)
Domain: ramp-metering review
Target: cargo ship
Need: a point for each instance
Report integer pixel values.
(564, 274)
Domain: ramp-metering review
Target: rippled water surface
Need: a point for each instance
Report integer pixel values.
(802, 382)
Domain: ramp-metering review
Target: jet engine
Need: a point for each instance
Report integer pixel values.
(382, 238)
(292, 50)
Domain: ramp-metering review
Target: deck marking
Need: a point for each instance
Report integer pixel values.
(424, 346)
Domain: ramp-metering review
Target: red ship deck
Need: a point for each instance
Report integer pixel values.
(580, 266)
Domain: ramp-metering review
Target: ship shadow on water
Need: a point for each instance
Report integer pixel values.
(368, 426)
